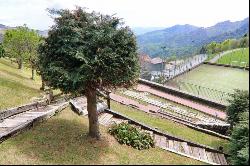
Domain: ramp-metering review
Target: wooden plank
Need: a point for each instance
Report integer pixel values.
(177, 146)
(196, 152)
(209, 156)
(191, 150)
(163, 141)
(106, 119)
(185, 148)
(202, 154)
(167, 143)
(10, 123)
(157, 140)
(222, 158)
(102, 116)
(171, 144)
(215, 158)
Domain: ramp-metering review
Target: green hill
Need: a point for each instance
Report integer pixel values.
(187, 39)
(63, 139)
(236, 58)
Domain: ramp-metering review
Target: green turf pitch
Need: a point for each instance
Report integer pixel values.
(212, 81)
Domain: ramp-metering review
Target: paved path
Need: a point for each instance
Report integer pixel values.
(188, 103)
(217, 57)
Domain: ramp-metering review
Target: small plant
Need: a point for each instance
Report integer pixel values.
(129, 135)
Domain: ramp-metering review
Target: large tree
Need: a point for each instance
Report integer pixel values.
(88, 51)
(22, 43)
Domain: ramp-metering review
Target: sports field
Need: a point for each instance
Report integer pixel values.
(236, 58)
(213, 82)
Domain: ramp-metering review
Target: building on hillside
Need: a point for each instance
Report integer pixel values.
(157, 64)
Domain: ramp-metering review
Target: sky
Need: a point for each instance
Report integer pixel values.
(135, 13)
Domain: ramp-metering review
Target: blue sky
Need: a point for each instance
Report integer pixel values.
(136, 13)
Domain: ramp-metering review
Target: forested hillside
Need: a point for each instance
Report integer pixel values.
(187, 39)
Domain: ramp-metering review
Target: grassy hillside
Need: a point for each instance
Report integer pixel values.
(236, 58)
(16, 87)
(62, 140)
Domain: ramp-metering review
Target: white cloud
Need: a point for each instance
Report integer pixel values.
(150, 13)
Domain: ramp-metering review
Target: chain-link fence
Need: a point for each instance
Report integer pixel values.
(210, 93)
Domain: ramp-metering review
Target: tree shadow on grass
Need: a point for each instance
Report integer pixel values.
(61, 141)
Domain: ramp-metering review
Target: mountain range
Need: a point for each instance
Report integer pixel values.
(142, 30)
(184, 40)
(180, 40)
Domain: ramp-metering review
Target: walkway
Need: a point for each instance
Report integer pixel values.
(188, 103)
(21, 121)
(217, 57)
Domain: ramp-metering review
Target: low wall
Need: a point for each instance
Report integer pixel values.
(183, 94)
(224, 65)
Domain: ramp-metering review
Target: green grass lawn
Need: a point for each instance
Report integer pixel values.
(63, 140)
(238, 56)
(16, 87)
(210, 81)
(171, 127)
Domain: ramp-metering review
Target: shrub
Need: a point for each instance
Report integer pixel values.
(239, 144)
(129, 135)
(239, 103)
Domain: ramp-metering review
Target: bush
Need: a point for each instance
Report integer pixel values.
(129, 135)
(239, 144)
(239, 103)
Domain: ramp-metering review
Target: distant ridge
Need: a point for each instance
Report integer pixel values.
(186, 39)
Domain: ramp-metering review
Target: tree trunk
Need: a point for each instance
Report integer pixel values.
(33, 74)
(92, 114)
(43, 85)
(20, 63)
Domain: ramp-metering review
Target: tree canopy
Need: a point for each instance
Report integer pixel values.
(239, 144)
(85, 51)
(21, 43)
(239, 103)
(238, 117)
